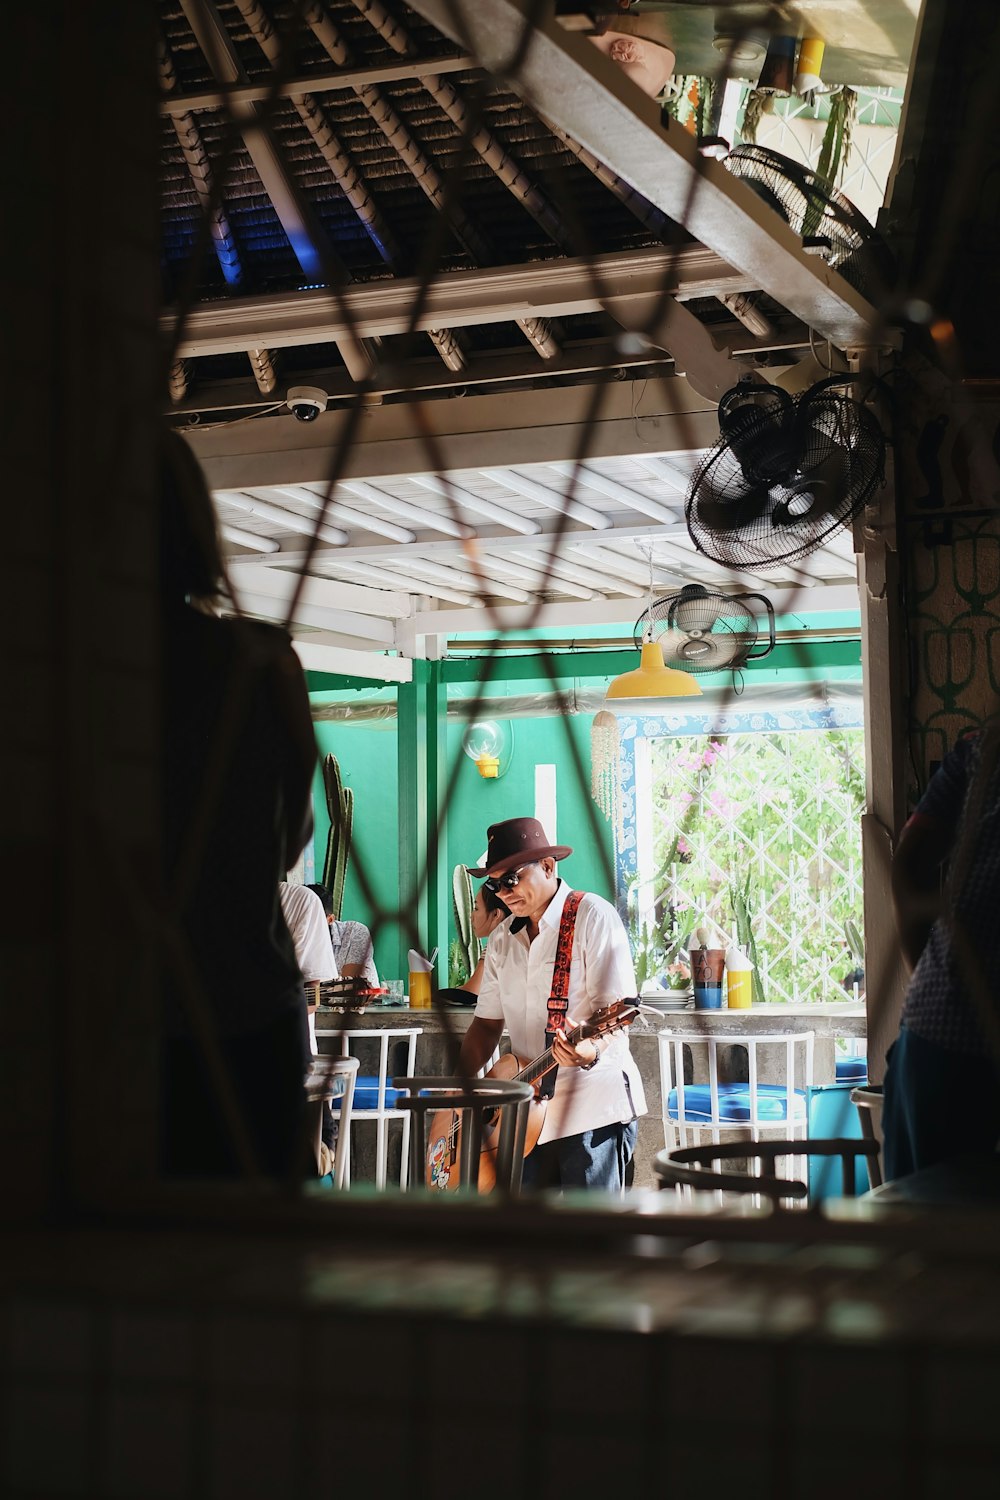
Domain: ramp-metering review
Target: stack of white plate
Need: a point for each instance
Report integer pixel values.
(668, 999)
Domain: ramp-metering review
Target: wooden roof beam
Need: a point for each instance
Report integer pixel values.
(601, 108)
(494, 294)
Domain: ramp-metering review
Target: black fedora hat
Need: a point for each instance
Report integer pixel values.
(518, 841)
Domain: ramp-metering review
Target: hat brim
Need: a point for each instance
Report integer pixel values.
(513, 861)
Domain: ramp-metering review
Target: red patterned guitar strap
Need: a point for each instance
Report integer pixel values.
(558, 1003)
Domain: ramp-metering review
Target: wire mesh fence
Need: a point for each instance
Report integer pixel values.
(435, 157)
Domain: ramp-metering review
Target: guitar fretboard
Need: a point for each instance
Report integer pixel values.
(545, 1061)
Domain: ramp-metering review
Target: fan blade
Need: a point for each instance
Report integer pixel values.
(707, 653)
(817, 493)
(733, 512)
(695, 610)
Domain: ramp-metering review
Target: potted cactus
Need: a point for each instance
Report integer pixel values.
(463, 954)
(340, 806)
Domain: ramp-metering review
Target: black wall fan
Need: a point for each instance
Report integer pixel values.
(820, 214)
(702, 631)
(785, 473)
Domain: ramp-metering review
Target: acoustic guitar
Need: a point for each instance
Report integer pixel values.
(444, 1127)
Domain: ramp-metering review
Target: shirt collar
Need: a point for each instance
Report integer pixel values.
(551, 913)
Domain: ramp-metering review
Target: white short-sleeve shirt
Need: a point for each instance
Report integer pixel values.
(306, 921)
(517, 982)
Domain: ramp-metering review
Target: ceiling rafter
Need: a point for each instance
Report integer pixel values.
(493, 294)
(560, 565)
(347, 515)
(376, 553)
(344, 171)
(599, 106)
(480, 504)
(285, 520)
(484, 142)
(199, 167)
(233, 98)
(587, 476)
(563, 500)
(425, 173)
(600, 361)
(305, 236)
(416, 514)
(280, 584)
(386, 578)
(535, 330)
(533, 572)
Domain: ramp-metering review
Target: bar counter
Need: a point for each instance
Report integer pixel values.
(444, 1027)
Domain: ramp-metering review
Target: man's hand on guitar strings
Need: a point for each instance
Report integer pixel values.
(568, 1056)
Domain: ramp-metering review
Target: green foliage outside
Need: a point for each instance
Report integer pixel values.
(760, 835)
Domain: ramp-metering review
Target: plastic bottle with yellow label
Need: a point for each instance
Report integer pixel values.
(739, 980)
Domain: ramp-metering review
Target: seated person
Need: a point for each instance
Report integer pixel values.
(306, 921)
(941, 1092)
(351, 943)
(488, 911)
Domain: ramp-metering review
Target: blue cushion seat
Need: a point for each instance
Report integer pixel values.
(852, 1069)
(366, 1093)
(734, 1103)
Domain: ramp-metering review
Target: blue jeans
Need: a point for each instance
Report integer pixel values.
(937, 1104)
(596, 1159)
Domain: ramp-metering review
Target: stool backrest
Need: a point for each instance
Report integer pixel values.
(697, 1166)
(685, 1124)
(386, 1037)
(331, 1078)
(504, 1101)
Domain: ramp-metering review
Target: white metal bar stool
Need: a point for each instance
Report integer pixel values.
(500, 1102)
(329, 1079)
(693, 1111)
(375, 1098)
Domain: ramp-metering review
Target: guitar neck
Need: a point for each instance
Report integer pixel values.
(546, 1062)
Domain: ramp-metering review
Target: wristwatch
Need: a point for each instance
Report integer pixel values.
(586, 1067)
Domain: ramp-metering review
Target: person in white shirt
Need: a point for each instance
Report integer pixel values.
(588, 1136)
(306, 921)
(351, 943)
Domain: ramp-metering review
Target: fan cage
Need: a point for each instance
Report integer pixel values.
(699, 633)
(814, 208)
(829, 451)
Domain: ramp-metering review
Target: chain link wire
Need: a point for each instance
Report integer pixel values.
(555, 208)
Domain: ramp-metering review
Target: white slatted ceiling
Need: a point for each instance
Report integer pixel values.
(589, 563)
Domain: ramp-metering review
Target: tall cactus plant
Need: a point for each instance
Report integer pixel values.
(461, 890)
(340, 806)
(742, 899)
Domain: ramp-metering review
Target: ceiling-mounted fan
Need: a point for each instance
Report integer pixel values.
(820, 214)
(786, 473)
(700, 630)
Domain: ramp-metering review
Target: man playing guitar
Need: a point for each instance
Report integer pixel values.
(562, 956)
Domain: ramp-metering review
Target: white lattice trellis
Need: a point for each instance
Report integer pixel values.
(796, 130)
(784, 809)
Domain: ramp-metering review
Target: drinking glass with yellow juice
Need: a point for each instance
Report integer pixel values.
(420, 989)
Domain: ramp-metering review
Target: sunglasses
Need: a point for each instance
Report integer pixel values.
(507, 882)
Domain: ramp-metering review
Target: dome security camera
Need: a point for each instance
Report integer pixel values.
(305, 402)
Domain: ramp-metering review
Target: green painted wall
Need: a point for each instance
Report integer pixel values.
(477, 803)
(368, 758)
(368, 763)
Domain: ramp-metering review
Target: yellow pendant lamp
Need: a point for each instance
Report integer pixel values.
(653, 679)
